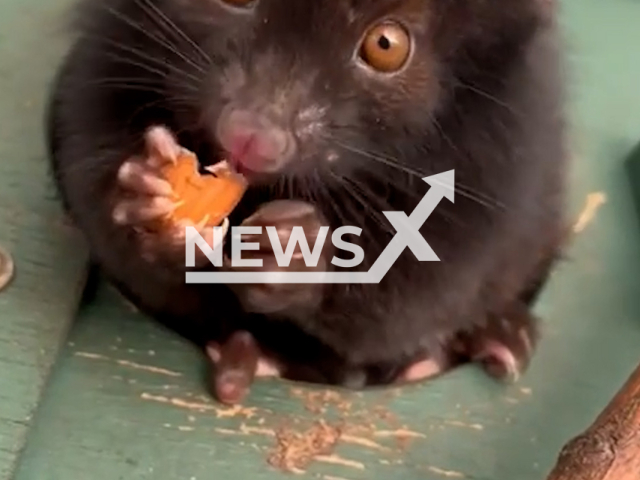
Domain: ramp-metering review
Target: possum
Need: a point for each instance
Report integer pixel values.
(334, 111)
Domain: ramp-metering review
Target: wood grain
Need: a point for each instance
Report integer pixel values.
(126, 399)
(38, 305)
(610, 448)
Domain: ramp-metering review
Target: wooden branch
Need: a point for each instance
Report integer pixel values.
(610, 448)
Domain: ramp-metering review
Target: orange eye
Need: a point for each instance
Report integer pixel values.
(386, 47)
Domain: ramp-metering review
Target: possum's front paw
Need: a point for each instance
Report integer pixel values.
(283, 216)
(145, 197)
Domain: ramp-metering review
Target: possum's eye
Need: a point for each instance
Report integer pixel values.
(386, 47)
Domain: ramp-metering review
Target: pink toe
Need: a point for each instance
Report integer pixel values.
(266, 368)
(421, 370)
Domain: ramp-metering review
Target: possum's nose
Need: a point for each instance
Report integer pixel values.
(253, 142)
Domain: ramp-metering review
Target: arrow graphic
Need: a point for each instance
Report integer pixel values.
(407, 236)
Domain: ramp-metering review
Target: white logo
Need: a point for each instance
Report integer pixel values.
(407, 236)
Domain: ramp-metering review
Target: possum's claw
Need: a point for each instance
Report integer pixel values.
(146, 194)
(146, 197)
(499, 361)
(505, 345)
(140, 210)
(137, 175)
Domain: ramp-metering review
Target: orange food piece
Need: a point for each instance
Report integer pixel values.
(203, 199)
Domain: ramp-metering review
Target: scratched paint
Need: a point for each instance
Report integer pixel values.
(221, 412)
(130, 364)
(446, 473)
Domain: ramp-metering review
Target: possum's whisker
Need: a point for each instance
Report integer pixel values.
(129, 86)
(378, 158)
(168, 45)
(461, 189)
(139, 84)
(390, 161)
(184, 84)
(305, 189)
(144, 56)
(314, 185)
(280, 186)
(177, 101)
(443, 134)
(172, 27)
(482, 93)
(330, 199)
(289, 184)
(367, 200)
(366, 190)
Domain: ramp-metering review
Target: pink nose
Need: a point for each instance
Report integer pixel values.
(252, 142)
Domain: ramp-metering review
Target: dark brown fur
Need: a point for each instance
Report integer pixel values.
(481, 95)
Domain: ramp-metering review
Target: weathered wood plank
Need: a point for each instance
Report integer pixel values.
(126, 400)
(129, 399)
(39, 304)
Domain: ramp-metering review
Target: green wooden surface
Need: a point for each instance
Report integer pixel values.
(126, 400)
(38, 306)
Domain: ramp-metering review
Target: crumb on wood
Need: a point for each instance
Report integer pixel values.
(385, 415)
(319, 401)
(593, 202)
(456, 423)
(295, 450)
(446, 473)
